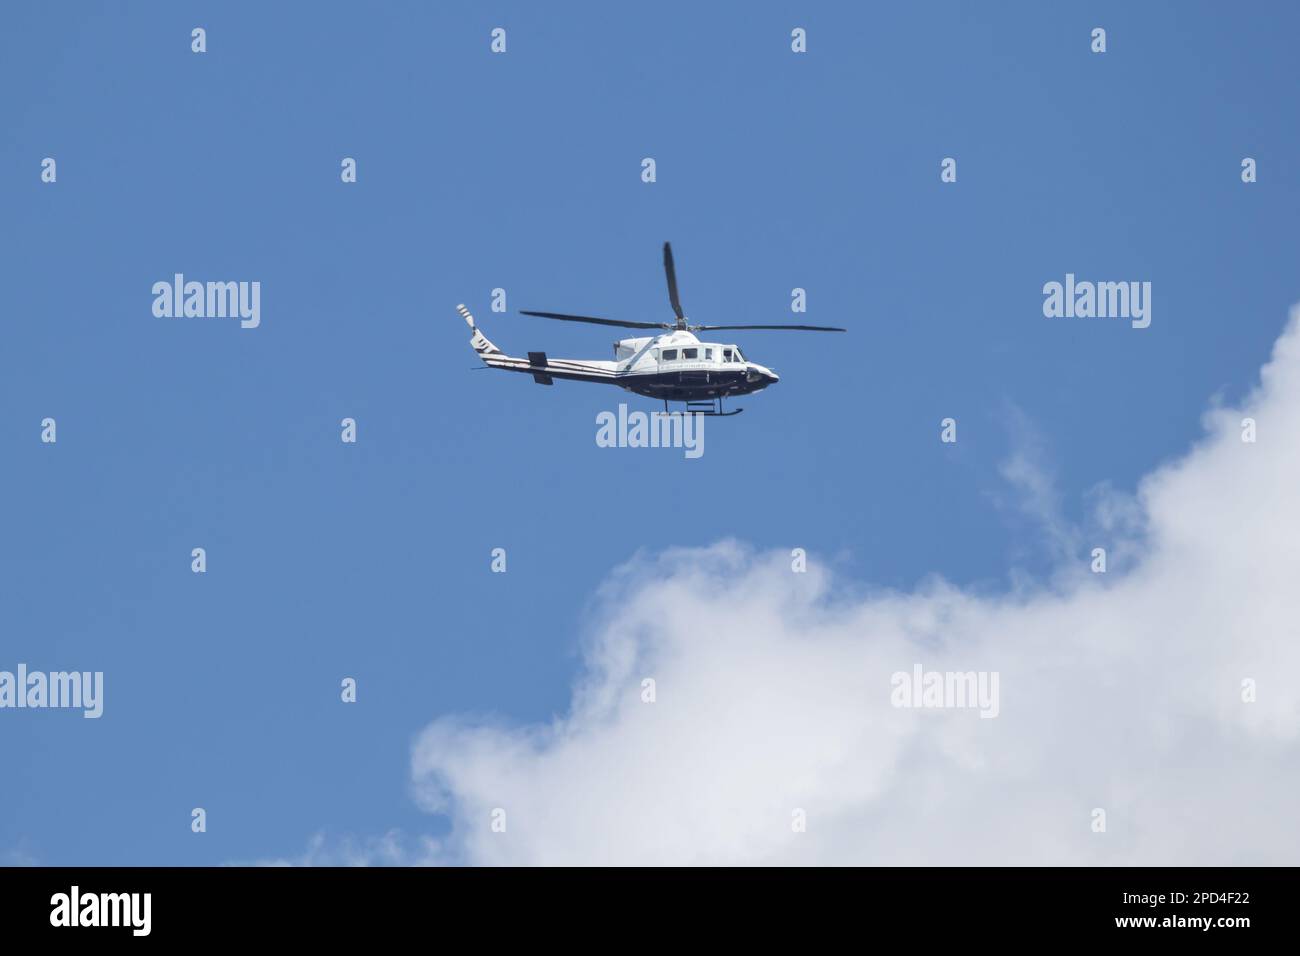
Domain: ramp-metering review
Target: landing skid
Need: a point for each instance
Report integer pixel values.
(713, 409)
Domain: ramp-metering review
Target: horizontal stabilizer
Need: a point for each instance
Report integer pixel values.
(541, 378)
(537, 358)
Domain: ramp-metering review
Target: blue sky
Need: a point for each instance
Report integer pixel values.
(522, 171)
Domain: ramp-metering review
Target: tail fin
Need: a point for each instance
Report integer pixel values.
(478, 340)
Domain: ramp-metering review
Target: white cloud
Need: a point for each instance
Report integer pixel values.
(391, 849)
(18, 856)
(1120, 691)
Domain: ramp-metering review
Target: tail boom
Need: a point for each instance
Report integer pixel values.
(542, 369)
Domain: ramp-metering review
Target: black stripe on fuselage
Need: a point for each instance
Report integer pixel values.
(570, 371)
(692, 384)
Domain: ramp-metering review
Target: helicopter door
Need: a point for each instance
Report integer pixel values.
(691, 375)
(667, 358)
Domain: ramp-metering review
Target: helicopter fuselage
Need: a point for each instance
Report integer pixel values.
(674, 366)
(678, 367)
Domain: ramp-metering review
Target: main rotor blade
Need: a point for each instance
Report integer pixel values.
(795, 328)
(672, 281)
(595, 321)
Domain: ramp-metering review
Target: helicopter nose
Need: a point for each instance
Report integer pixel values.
(758, 373)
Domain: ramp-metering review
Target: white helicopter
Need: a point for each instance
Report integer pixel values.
(673, 366)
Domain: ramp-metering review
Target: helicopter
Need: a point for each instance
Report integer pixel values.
(674, 365)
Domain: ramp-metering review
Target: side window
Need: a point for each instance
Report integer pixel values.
(726, 355)
(708, 355)
(670, 355)
(690, 353)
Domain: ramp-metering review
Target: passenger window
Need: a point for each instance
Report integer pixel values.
(670, 355)
(690, 353)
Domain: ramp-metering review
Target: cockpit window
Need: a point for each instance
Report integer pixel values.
(726, 355)
(690, 353)
(708, 355)
(670, 355)
(739, 357)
